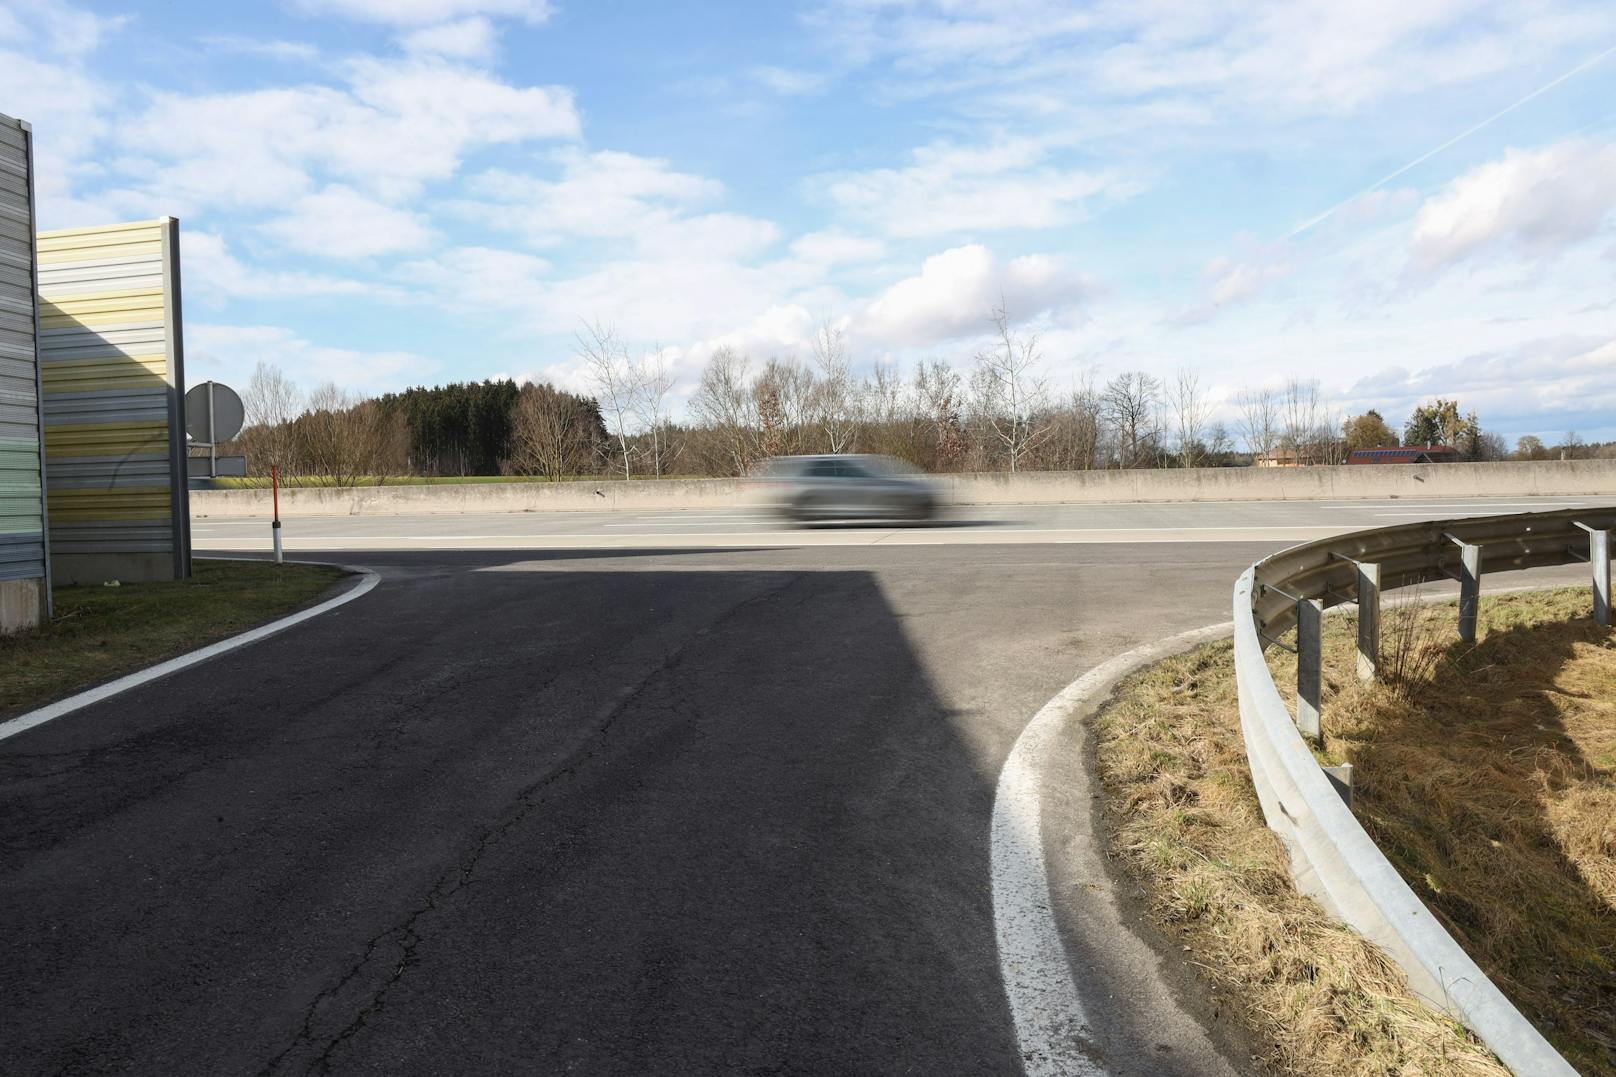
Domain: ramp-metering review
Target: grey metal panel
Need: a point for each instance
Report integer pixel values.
(107, 406)
(20, 555)
(180, 482)
(129, 536)
(24, 553)
(79, 473)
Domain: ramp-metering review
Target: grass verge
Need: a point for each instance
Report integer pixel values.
(1486, 773)
(100, 633)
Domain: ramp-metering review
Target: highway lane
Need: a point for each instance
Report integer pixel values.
(596, 812)
(648, 810)
(1121, 522)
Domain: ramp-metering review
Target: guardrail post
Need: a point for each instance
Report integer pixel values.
(1599, 559)
(1469, 589)
(1309, 665)
(1368, 621)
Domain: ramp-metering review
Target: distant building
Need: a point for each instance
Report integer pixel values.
(1280, 458)
(1407, 454)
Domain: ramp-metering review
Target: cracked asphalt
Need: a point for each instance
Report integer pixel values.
(606, 812)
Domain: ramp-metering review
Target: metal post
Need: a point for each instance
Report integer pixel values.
(1309, 665)
(1341, 778)
(275, 526)
(1469, 590)
(1599, 556)
(213, 449)
(1368, 621)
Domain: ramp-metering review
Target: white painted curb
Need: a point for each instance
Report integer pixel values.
(1039, 984)
(24, 722)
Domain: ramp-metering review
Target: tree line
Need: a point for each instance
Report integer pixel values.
(998, 414)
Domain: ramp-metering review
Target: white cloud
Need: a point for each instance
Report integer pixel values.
(464, 39)
(1542, 385)
(791, 83)
(424, 12)
(1228, 281)
(610, 195)
(482, 278)
(394, 127)
(1265, 60)
(597, 194)
(212, 272)
(339, 222)
(833, 248)
(228, 353)
(284, 51)
(1535, 203)
(956, 291)
(949, 188)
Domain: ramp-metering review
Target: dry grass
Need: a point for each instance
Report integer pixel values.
(1187, 822)
(1489, 780)
(1486, 773)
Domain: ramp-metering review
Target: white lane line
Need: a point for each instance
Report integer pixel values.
(1458, 505)
(24, 722)
(1051, 1024)
(1424, 515)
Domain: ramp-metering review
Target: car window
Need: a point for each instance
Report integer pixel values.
(824, 469)
(853, 471)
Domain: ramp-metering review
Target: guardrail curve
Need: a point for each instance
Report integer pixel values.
(1332, 858)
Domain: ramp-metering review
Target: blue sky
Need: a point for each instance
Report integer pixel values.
(384, 192)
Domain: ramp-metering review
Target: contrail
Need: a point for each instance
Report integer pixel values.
(1545, 88)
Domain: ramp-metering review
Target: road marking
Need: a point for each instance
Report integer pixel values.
(24, 722)
(1051, 1025)
(1456, 505)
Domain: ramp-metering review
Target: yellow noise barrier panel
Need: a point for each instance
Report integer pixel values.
(93, 375)
(94, 506)
(107, 439)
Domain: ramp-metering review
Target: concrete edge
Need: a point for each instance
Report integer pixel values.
(1052, 1026)
(1334, 860)
(367, 581)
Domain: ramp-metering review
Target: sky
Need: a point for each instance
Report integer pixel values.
(1402, 200)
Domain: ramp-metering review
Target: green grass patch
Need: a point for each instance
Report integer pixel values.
(99, 633)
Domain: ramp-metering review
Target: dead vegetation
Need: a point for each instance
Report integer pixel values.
(1187, 823)
(1488, 777)
(1486, 773)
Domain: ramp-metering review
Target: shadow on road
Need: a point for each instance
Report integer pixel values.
(646, 821)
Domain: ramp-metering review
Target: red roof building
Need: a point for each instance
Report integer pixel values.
(1407, 454)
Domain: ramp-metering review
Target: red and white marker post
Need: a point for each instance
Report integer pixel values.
(275, 526)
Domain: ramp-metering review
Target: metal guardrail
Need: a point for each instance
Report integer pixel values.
(1332, 858)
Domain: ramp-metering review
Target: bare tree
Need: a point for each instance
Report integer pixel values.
(553, 433)
(1300, 420)
(656, 380)
(722, 403)
(837, 399)
(1191, 410)
(1259, 421)
(1013, 397)
(271, 402)
(343, 436)
(1130, 402)
(940, 399)
(615, 378)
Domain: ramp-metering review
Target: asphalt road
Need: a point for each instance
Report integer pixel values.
(611, 811)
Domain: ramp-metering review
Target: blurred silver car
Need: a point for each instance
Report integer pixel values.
(843, 487)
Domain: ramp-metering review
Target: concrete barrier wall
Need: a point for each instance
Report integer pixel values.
(1573, 478)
